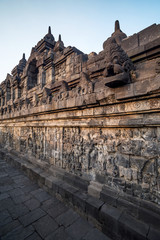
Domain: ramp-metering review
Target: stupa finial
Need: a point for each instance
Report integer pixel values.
(59, 38)
(49, 30)
(117, 25)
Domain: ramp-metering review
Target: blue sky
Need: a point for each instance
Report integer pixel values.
(85, 24)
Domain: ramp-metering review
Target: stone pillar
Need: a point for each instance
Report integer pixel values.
(41, 77)
(50, 75)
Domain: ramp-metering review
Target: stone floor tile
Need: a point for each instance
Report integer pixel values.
(5, 181)
(6, 221)
(45, 226)
(3, 174)
(18, 177)
(38, 215)
(94, 234)
(29, 188)
(6, 203)
(19, 233)
(32, 204)
(67, 218)
(79, 229)
(18, 210)
(49, 203)
(9, 227)
(21, 181)
(4, 196)
(32, 217)
(34, 236)
(5, 217)
(57, 209)
(15, 192)
(21, 198)
(41, 195)
(59, 234)
(6, 188)
(13, 173)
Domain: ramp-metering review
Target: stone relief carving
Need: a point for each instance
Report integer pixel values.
(157, 68)
(9, 108)
(118, 64)
(26, 104)
(46, 96)
(84, 86)
(35, 100)
(63, 92)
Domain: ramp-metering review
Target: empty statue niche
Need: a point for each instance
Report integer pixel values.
(32, 74)
(8, 90)
(2, 98)
(13, 94)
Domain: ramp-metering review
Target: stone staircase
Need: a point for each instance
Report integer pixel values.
(118, 216)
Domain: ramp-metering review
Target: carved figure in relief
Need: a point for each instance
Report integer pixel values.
(35, 100)
(46, 96)
(63, 92)
(85, 86)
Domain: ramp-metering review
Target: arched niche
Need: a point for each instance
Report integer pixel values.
(2, 97)
(8, 90)
(32, 74)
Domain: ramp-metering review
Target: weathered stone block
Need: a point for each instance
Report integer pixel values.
(109, 217)
(149, 34)
(31, 217)
(45, 225)
(122, 160)
(150, 149)
(130, 228)
(137, 162)
(79, 200)
(124, 92)
(131, 147)
(153, 234)
(129, 207)
(130, 43)
(93, 206)
(109, 196)
(149, 217)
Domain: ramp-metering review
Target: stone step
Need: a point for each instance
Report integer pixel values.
(135, 207)
(76, 181)
(94, 189)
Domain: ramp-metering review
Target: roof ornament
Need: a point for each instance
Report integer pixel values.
(117, 25)
(59, 38)
(49, 30)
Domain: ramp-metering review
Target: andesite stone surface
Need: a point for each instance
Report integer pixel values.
(90, 122)
(24, 216)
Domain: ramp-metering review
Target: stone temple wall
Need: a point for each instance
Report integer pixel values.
(125, 159)
(96, 116)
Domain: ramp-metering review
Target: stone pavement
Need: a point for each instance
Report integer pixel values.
(28, 212)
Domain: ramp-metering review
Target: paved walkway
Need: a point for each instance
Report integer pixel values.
(28, 212)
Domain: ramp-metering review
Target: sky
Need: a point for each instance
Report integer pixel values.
(85, 24)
